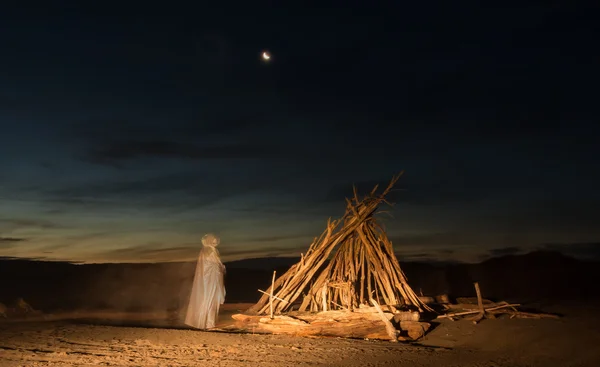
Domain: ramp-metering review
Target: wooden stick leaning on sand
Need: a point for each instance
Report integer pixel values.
(391, 330)
(482, 313)
(271, 295)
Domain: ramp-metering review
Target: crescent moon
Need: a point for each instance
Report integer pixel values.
(266, 56)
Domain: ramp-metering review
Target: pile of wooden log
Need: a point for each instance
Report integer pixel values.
(377, 323)
(476, 309)
(358, 291)
(363, 267)
(339, 284)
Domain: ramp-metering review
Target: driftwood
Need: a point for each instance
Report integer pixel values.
(487, 309)
(415, 330)
(363, 266)
(333, 323)
(389, 327)
(358, 327)
(477, 312)
(442, 299)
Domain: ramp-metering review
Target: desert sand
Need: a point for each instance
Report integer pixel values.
(130, 339)
(125, 315)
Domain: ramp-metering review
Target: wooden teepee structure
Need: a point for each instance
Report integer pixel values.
(362, 270)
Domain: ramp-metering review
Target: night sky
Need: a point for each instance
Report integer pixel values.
(129, 131)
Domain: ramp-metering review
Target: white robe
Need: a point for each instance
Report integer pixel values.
(208, 290)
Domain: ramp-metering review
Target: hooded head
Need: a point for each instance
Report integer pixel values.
(210, 240)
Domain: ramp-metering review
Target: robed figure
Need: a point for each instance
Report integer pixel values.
(208, 289)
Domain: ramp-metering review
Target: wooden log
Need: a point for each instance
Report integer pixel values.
(526, 315)
(282, 320)
(473, 312)
(481, 314)
(310, 317)
(414, 329)
(271, 295)
(442, 299)
(472, 300)
(407, 316)
(470, 306)
(354, 328)
(372, 309)
(391, 330)
(427, 300)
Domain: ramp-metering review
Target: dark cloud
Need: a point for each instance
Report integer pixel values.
(440, 185)
(435, 256)
(24, 223)
(339, 192)
(416, 256)
(15, 258)
(117, 151)
(266, 251)
(10, 241)
(188, 189)
(156, 252)
(446, 239)
(152, 252)
(503, 251)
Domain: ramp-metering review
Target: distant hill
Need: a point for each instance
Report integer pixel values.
(55, 285)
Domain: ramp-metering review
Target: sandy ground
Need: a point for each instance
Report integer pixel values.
(121, 340)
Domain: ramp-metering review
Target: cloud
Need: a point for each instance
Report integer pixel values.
(503, 251)
(14, 258)
(10, 240)
(437, 187)
(442, 239)
(116, 151)
(157, 252)
(178, 191)
(18, 223)
(151, 252)
(243, 252)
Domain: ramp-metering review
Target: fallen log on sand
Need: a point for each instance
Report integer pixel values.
(333, 323)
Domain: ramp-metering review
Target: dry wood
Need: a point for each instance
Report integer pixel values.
(263, 292)
(414, 329)
(451, 315)
(353, 251)
(527, 315)
(471, 301)
(481, 314)
(385, 308)
(407, 316)
(442, 299)
(489, 310)
(368, 326)
(391, 330)
(427, 300)
(271, 294)
(470, 306)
